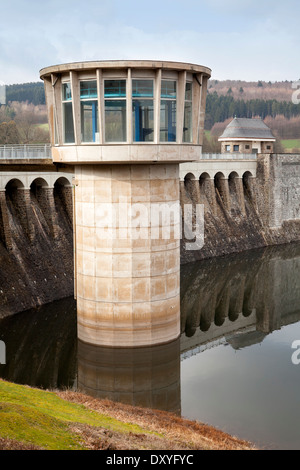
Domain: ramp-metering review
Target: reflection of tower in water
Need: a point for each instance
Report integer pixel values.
(147, 377)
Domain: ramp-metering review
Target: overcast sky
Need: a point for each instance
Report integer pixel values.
(237, 39)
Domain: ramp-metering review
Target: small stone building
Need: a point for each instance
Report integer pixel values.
(247, 136)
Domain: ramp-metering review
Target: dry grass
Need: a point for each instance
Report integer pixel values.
(10, 444)
(171, 431)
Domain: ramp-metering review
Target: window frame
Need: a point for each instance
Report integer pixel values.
(176, 110)
(89, 99)
(63, 103)
(142, 98)
(115, 98)
(191, 102)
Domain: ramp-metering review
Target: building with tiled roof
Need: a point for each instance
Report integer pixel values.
(247, 136)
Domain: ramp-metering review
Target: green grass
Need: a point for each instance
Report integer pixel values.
(41, 418)
(45, 127)
(291, 143)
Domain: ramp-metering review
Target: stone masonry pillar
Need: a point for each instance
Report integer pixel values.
(239, 189)
(45, 198)
(208, 187)
(25, 211)
(223, 188)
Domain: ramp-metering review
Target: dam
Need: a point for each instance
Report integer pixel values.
(126, 137)
(248, 203)
(51, 249)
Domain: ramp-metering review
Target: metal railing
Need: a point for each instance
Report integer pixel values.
(43, 151)
(229, 156)
(24, 152)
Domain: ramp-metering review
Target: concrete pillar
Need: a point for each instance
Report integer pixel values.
(5, 233)
(127, 280)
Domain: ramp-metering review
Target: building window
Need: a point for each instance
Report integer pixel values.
(227, 148)
(236, 148)
(247, 147)
(89, 111)
(142, 110)
(168, 111)
(115, 110)
(269, 147)
(187, 122)
(68, 123)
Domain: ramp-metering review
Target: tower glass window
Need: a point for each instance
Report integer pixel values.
(142, 110)
(68, 123)
(168, 111)
(89, 111)
(115, 110)
(187, 119)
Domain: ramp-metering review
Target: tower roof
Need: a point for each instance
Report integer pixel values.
(243, 128)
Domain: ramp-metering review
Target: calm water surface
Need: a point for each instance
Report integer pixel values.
(232, 366)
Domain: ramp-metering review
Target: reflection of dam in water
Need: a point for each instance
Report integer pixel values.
(236, 300)
(252, 294)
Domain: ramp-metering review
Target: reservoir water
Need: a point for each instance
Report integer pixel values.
(235, 365)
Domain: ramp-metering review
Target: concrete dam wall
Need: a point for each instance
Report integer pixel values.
(36, 245)
(243, 210)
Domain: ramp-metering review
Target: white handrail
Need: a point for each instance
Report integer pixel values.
(22, 152)
(229, 156)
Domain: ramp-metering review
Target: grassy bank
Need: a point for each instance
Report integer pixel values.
(35, 419)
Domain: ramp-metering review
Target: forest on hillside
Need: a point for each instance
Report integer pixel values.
(220, 108)
(26, 92)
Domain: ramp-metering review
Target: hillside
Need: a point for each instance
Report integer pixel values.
(260, 90)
